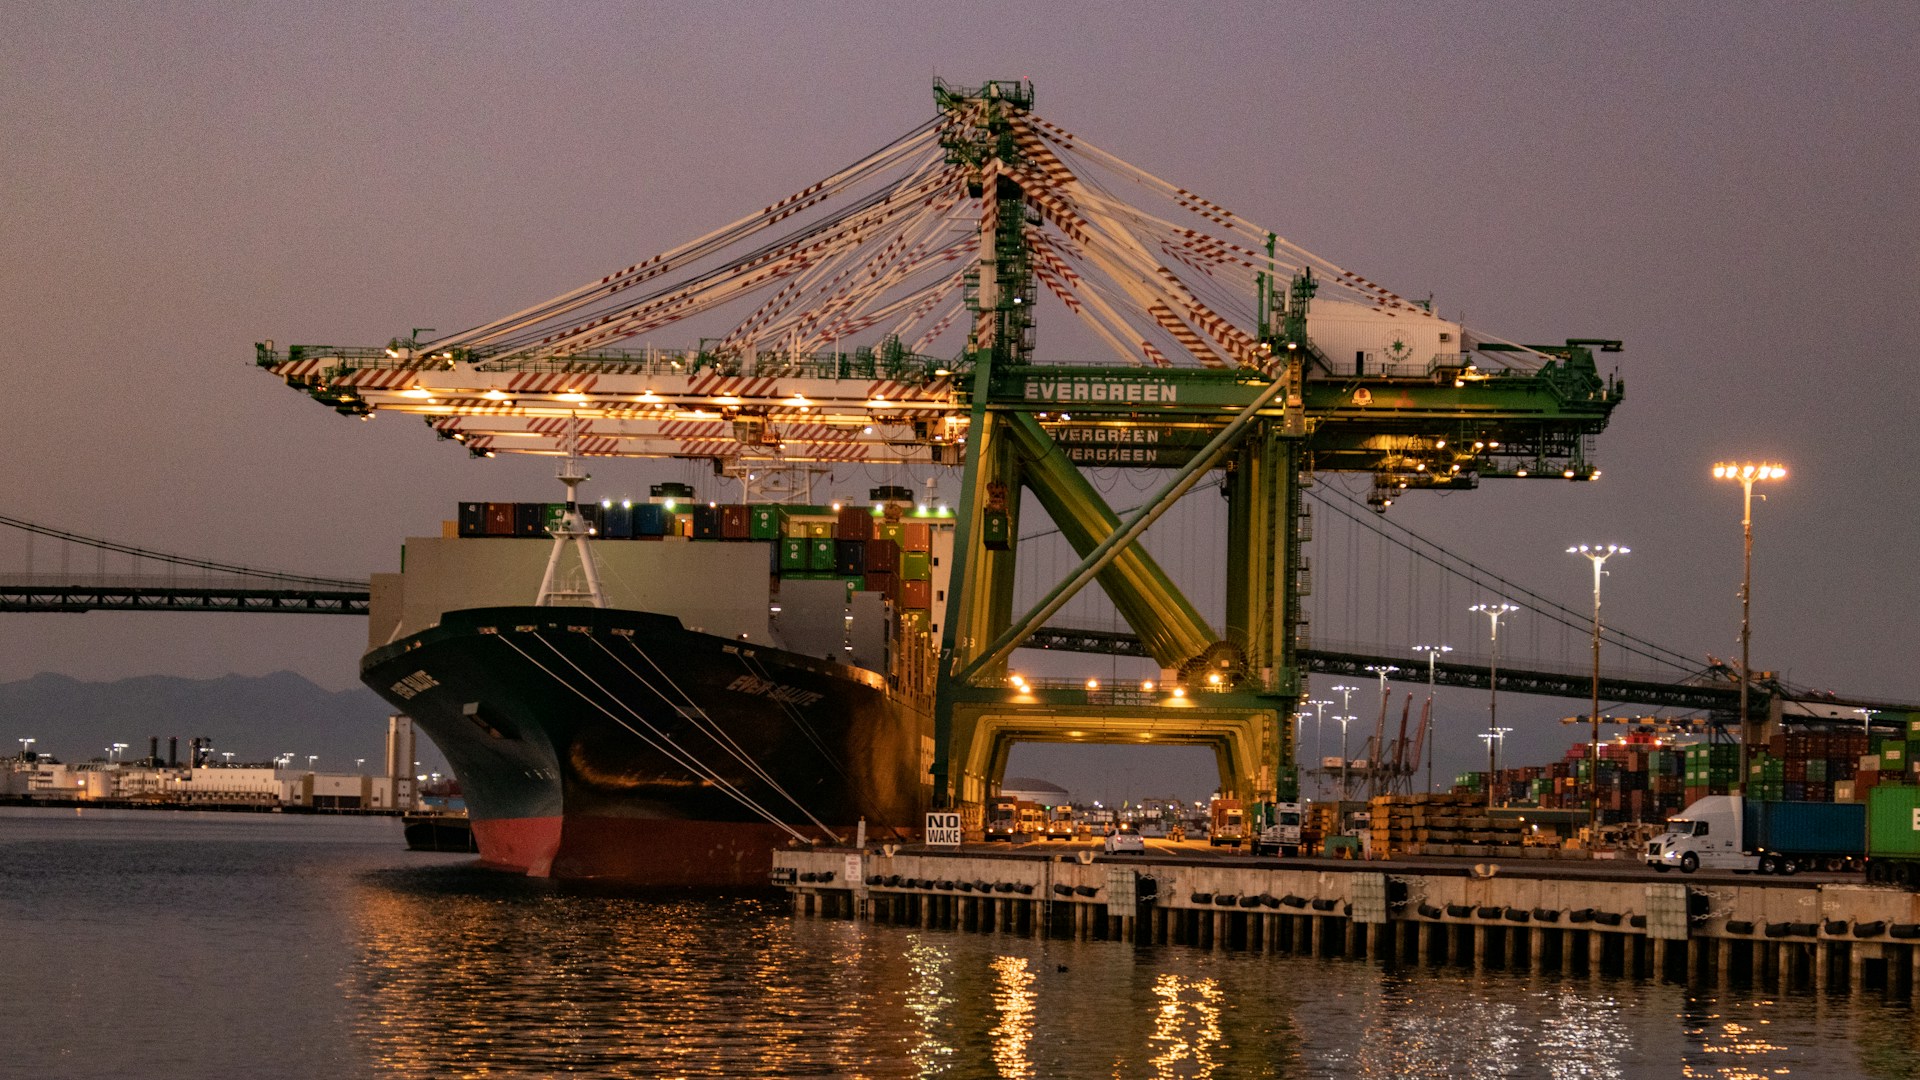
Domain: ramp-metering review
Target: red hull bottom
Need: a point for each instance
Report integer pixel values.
(638, 851)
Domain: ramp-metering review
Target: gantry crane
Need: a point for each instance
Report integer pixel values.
(1230, 349)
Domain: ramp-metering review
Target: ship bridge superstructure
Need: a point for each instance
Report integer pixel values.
(888, 314)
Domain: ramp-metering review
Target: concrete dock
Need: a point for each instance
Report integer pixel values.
(1779, 934)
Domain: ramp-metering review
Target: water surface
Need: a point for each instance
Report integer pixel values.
(203, 944)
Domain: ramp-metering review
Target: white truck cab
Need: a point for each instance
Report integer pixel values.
(1706, 834)
(1283, 836)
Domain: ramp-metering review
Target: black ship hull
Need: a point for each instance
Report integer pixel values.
(605, 744)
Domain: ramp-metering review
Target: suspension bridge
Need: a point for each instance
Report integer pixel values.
(67, 572)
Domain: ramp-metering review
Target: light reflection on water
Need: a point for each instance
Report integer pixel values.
(1186, 1026)
(320, 949)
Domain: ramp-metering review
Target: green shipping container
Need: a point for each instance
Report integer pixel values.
(764, 522)
(916, 566)
(793, 554)
(1893, 821)
(820, 555)
(889, 530)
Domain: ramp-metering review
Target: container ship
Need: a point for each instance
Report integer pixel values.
(704, 684)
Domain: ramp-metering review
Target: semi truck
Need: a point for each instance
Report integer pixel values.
(1012, 819)
(1283, 836)
(1731, 832)
(1227, 823)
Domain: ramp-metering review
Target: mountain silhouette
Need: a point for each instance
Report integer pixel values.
(256, 718)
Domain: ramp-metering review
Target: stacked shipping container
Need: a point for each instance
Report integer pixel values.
(1644, 779)
(860, 545)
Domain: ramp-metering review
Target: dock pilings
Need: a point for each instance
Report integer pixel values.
(1780, 935)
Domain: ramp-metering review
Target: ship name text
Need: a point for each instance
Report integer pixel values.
(753, 684)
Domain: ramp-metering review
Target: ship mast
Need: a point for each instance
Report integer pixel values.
(572, 529)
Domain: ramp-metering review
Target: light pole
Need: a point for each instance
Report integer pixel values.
(1494, 739)
(26, 747)
(1380, 739)
(1745, 475)
(1346, 706)
(1433, 653)
(1493, 612)
(227, 756)
(1319, 717)
(1344, 759)
(311, 758)
(1597, 555)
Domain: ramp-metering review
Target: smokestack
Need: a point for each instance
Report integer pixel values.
(173, 750)
(153, 749)
(193, 754)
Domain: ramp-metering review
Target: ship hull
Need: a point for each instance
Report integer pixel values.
(620, 746)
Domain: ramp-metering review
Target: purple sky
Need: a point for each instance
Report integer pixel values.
(1728, 188)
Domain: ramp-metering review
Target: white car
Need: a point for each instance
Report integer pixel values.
(1125, 841)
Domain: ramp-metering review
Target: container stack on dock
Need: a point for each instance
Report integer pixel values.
(1644, 779)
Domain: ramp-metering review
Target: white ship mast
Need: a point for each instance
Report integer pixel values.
(571, 530)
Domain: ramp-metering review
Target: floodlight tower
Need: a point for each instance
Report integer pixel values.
(1433, 654)
(1597, 555)
(1494, 612)
(1745, 475)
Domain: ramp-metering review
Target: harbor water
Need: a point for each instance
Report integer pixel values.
(200, 944)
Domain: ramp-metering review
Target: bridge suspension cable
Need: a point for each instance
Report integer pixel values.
(1476, 574)
(181, 560)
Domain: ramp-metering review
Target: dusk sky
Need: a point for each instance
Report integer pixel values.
(1728, 188)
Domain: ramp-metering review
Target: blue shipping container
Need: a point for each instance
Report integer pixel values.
(1805, 828)
(650, 519)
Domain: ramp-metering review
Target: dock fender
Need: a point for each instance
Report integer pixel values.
(1063, 890)
(1488, 912)
(1225, 899)
(1739, 926)
(1905, 931)
(1546, 914)
(1201, 898)
(1515, 915)
(1870, 929)
(1582, 915)
(1323, 904)
(1292, 901)
(1779, 929)
(1835, 927)
(1459, 911)
(1430, 912)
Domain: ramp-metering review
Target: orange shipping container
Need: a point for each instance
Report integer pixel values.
(918, 536)
(917, 595)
